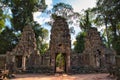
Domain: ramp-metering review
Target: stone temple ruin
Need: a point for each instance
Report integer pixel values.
(26, 57)
(60, 42)
(95, 55)
(25, 54)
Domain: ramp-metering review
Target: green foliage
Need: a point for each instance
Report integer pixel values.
(60, 62)
(43, 48)
(41, 35)
(22, 14)
(116, 45)
(62, 9)
(2, 24)
(107, 12)
(79, 43)
(54, 16)
(85, 22)
(22, 11)
(2, 20)
(65, 11)
(8, 40)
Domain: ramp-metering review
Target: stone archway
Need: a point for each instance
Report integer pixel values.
(60, 63)
(60, 42)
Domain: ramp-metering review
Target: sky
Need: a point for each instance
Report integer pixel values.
(77, 5)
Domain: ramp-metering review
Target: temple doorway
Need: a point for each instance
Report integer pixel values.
(60, 65)
(98, 58)
(18, 60)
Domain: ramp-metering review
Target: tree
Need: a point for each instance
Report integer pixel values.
(108, 14)
(85, 25)
(2, 17)
(60, 62)
(65, 11)
(62, 9)
(22, 11)
(8, 40)
(41, 35)
(21, 15)
(79, 43)
(2, 22)
(85, 20)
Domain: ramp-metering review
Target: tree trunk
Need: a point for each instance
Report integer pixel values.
(114, 30)
(107, 32)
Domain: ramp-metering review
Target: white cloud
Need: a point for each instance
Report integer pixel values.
(78, 5)
(40, 17)
(41, 20)
(49, 4)
(36, 15)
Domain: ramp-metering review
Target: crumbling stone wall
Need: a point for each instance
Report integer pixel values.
(46, 59)
(2, 61)
(76, 59)
(117, 68)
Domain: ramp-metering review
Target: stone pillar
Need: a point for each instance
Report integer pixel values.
(91, 60)
(68, 64)
(23, 63)
(53, 61)
(13, 58)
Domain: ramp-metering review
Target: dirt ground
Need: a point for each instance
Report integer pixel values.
(62, 77)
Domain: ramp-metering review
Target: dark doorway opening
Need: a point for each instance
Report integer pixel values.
(99, 62)
(60, 63)
(18, 61)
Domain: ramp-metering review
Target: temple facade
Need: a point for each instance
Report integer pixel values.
(26, 57)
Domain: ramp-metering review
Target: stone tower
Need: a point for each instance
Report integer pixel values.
(60, 42)
(20, 55)
(95, 53)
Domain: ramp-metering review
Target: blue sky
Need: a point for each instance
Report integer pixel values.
(77, 5)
